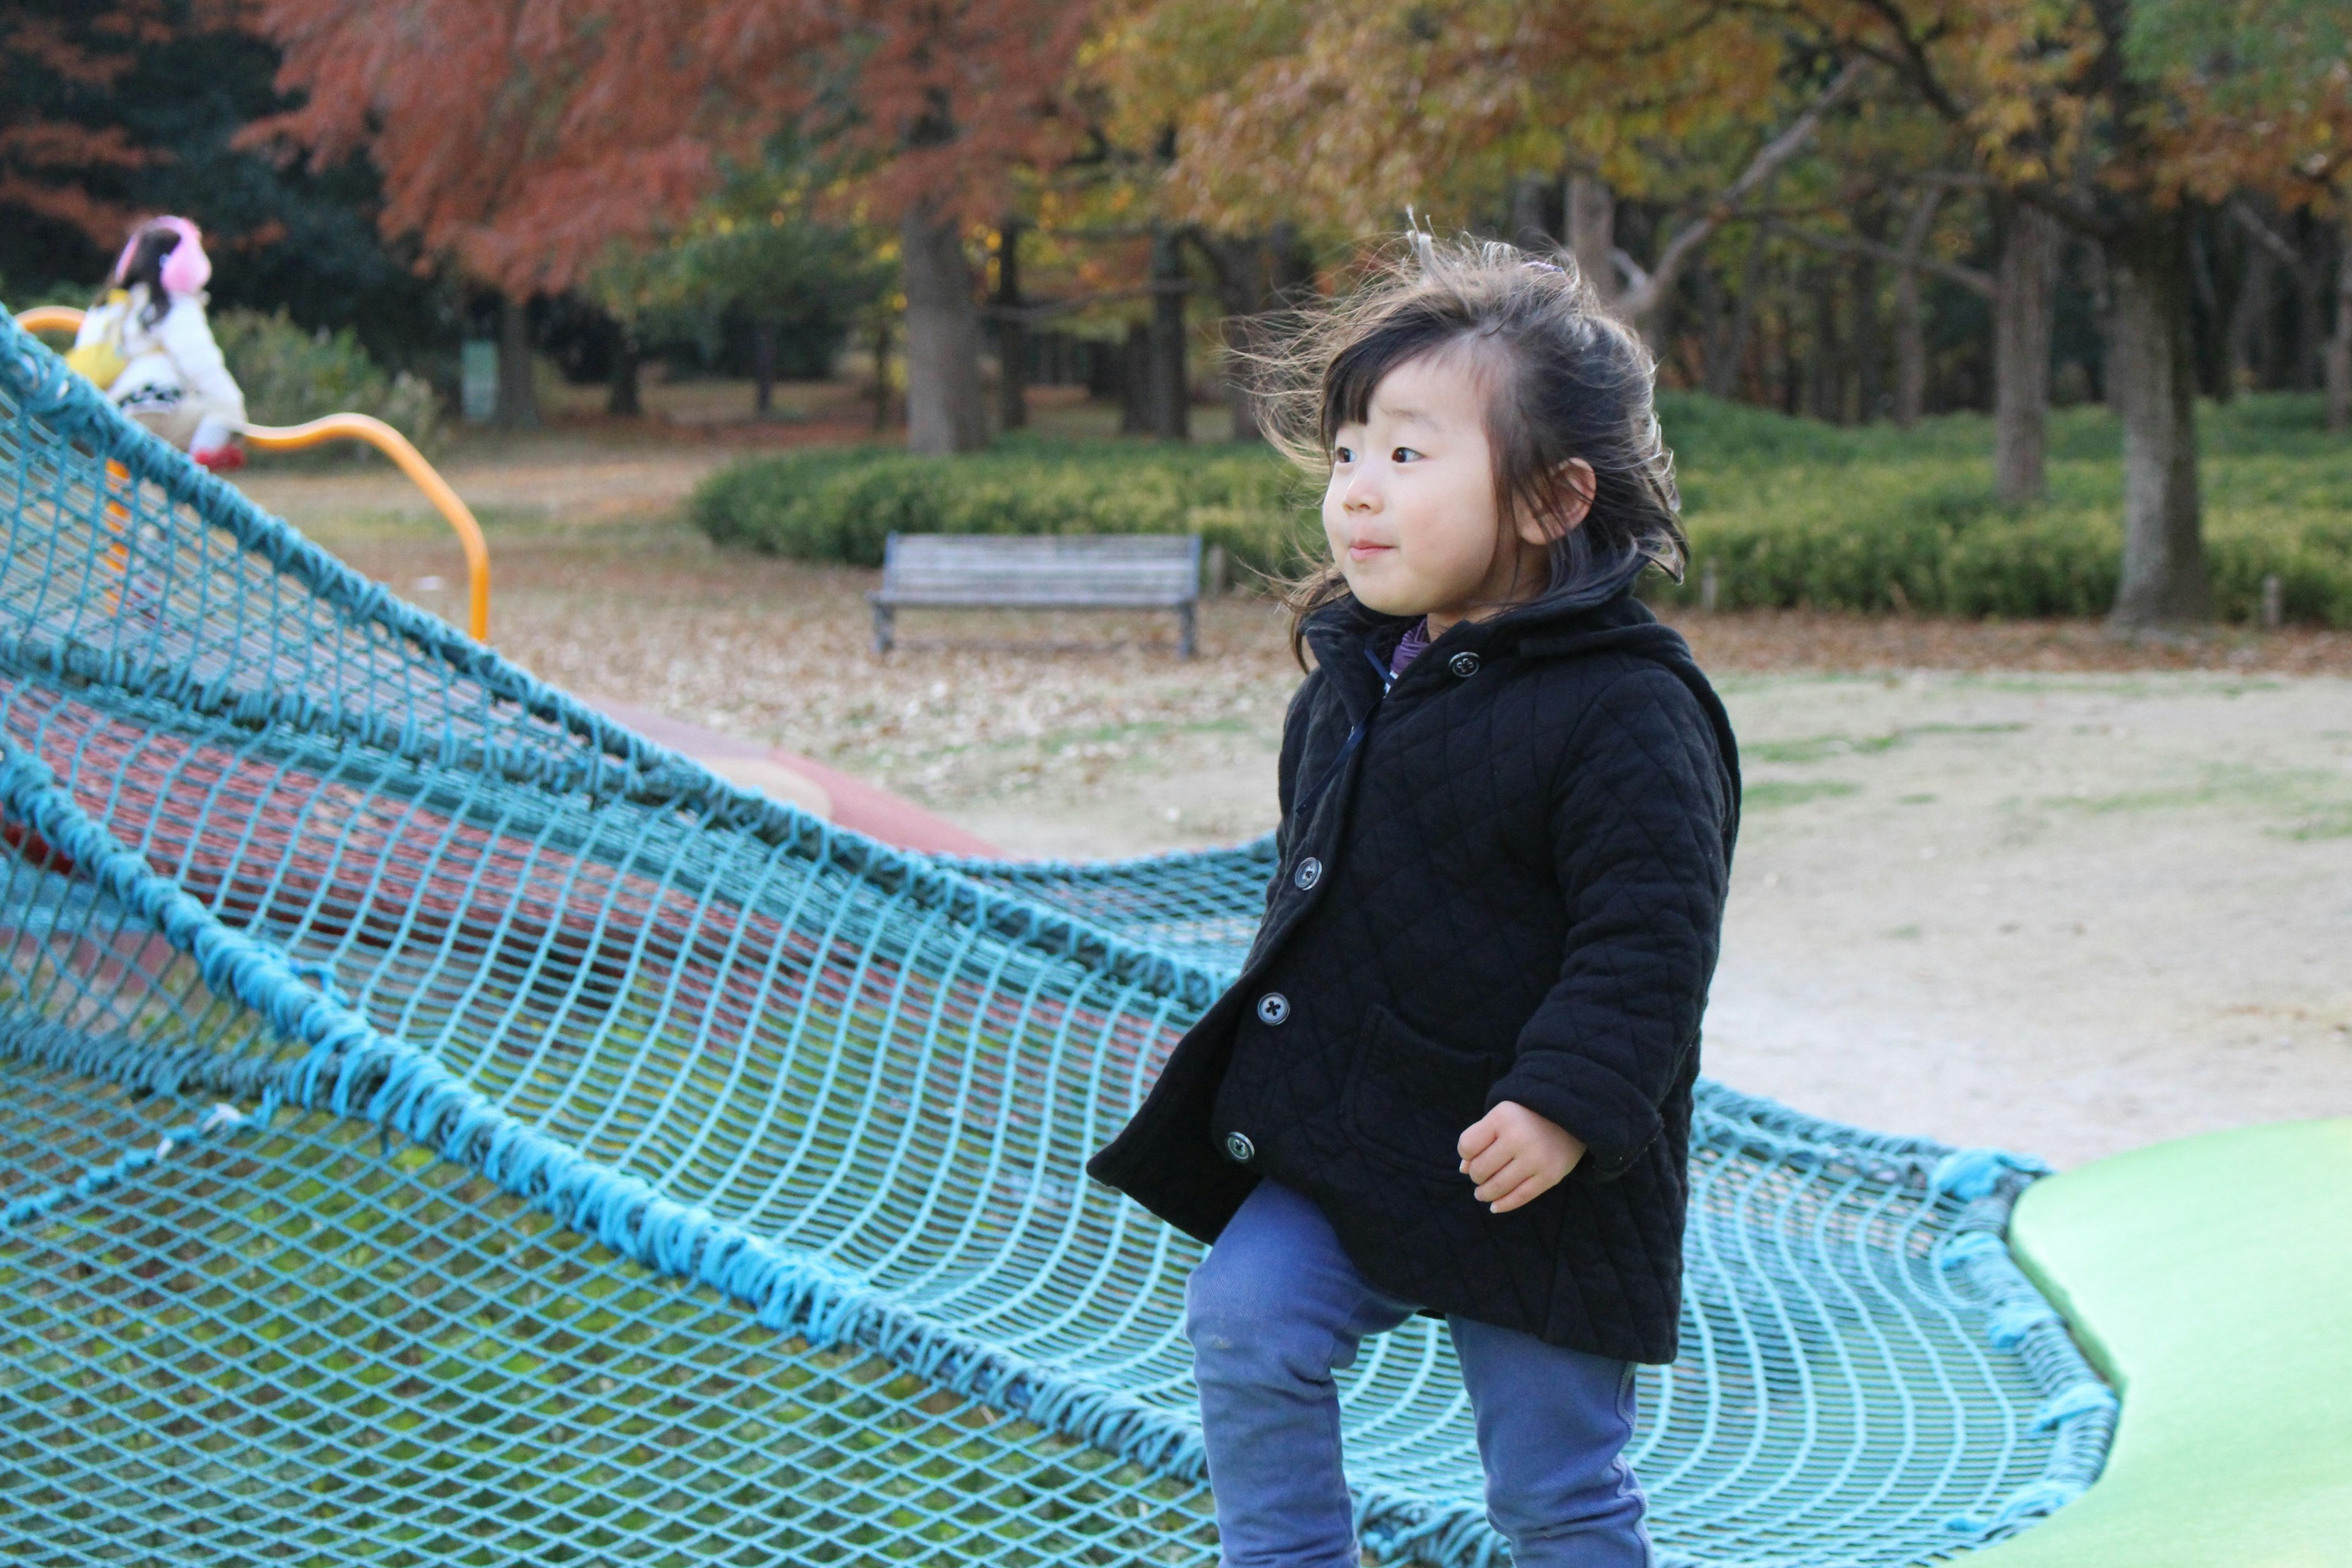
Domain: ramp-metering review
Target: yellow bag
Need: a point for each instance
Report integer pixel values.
(99, 361)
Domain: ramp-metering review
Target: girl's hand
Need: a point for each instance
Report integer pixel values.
(1516, 1157)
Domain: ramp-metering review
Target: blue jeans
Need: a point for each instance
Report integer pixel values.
(1275, 1307)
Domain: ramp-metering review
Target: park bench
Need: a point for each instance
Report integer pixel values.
(1079, 571)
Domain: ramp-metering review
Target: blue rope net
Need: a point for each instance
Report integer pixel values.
(439, 1126)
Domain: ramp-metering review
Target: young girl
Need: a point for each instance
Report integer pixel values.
(147, 344)
(1454, 1077)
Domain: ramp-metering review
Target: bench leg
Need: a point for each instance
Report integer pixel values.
(1188, 631)
(885, 627)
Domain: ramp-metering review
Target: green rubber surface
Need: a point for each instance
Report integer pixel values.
(2210, 1279)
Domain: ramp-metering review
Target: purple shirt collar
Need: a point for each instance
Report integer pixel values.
(1414, 644)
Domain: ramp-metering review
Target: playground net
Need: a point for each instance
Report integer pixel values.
(438, 1126)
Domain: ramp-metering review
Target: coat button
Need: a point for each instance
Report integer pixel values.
(1238, 1148)
(1463, 663)
(1310, 872)
(1273, 1008)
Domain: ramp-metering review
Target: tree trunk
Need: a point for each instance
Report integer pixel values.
(622, 400)
(2310, 322)
(1823, 359)
(1910, 351)
(2214, 300)
(763, 368)
(1723, 378)
(2152, 372)
(1528, 230)
(1245, 291)
(1135, 381)
(881, 371)
(947, 409)
(2339, 343)
(518, 398)
(1910, 317)
(1294, 265)
(1867, 354)
(2249, 323)
(1593, 233)
(2024, 314)
(1012, 333)
(1171, 397)
(1714, 322)
(2100, 284)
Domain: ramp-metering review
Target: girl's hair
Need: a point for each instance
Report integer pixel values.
(145, 259)
(1565, 380)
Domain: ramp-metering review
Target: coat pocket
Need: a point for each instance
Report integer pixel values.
(1408, 1097)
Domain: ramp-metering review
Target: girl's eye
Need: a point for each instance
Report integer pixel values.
(1343, 454)
(1403, 455)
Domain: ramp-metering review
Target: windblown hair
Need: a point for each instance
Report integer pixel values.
(1565, 380)
(143, 263)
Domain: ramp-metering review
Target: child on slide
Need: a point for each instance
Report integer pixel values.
(1454, 1078)
(147, 345)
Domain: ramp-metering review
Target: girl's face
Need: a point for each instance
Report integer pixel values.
(1410, 512)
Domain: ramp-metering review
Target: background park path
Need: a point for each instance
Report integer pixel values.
(1995, 884)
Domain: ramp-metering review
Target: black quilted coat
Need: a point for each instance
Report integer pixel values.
(1502, 880)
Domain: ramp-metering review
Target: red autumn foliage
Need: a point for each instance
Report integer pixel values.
(53, 54)
(526, 136)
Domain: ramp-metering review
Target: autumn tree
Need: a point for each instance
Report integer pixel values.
(2080, 124)
(759, 245)
(527, 137)
(2265, 96)
(1349, 116)
(59, 58)
(1286, 121)
(512, 137)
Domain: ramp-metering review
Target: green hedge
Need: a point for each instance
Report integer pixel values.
(290, 376)
(1787, 512)
(840, 504)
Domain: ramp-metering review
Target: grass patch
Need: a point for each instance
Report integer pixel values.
(2311, 797)
(1765, 794)
(1820, 748)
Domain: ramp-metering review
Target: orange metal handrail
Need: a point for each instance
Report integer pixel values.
(397, 446)
(50, 319)
(350, 427)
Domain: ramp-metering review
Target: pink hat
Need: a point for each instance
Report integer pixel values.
(186, 269)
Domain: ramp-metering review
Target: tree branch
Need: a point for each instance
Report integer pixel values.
(2269, 238)
(1915, 63)
(2077, 215)
(1967, 277)
(1644, 298)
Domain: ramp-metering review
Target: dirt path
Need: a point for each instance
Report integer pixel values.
(2065, 914)
(2043, 895)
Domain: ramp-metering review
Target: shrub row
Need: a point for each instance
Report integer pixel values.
(2042, 562)
(1786, 512)
(290, 375)
(842, 504)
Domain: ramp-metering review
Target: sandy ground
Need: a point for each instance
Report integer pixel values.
(2003, 884)
(2063, 914)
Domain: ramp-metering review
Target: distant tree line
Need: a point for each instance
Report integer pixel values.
(1850, 209)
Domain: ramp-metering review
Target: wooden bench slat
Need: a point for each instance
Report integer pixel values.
(1039, 572)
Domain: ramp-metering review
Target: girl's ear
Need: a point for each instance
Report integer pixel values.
(1572, 491)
